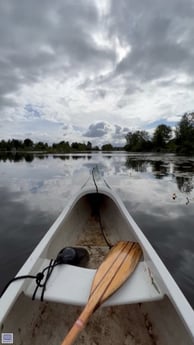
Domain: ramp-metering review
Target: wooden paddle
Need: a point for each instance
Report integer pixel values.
(117, 266)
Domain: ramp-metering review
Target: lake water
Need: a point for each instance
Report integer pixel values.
(158, 191)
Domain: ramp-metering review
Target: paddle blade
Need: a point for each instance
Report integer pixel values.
(108, 262)
(115, 270)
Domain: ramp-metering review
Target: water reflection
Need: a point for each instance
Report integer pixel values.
(182, 172)
(137, 165)
(160, 169)
(62, 157)
(29, 157)
(16, 157)
(185, 184)
(35, 188)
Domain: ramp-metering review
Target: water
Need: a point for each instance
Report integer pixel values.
(158, 190)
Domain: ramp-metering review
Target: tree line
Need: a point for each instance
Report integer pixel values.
(164, 139)
(15, 145)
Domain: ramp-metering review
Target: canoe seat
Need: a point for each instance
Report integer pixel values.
(71, 285)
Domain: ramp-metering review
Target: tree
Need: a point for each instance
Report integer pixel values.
(138, 141)
(3, 145)
(185, 134)
(89, 146)
(107, 147)
(78, 146)
(16, 144)
(40, 146)
(28, 143)
(161, 137)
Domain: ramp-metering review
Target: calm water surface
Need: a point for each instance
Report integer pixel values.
(158, 190)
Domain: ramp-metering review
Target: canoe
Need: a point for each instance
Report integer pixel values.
(148, 309)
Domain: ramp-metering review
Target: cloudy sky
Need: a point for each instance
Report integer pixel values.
(91, 70)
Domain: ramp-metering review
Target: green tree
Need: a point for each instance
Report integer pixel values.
(161, 137)
(78, 146)
(28, 143)
(185, 134)
(16, 144)
(62, 147)
(138, 141)
(89, 146)
(40, 146)
(3, 145)
(107, 147)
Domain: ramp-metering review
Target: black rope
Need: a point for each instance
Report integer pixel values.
(49, 271)
(109, 244)
(94, 180)
(14, 279)
(99, 216)
(38, 277)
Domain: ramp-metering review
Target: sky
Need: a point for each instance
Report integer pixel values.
(93, 70)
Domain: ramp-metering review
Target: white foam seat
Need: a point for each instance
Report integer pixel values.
(71, 285)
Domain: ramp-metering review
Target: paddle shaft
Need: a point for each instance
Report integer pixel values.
(78, 325)
(112, 273)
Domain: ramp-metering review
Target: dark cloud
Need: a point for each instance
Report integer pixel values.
(120, 132)
(106, 131)
(132, 88)
(6, 101)
(148, 63)
(160, 36)
(97, 130)
(39, 39)
(101, 93)
(93, 89)
(160, 39)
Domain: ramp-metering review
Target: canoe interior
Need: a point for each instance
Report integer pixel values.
(82, 227)
(39, 323)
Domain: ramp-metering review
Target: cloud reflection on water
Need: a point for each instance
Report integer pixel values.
(34, 191)
(167, 223)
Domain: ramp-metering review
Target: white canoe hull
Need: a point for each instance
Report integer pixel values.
(148, 309)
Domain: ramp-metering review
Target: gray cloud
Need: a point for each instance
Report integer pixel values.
(42, 38)
(100, 93)
(7, 102)
(39, 38)
(107, 132)
(160, 34)
(97, 130)
(120, 132)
